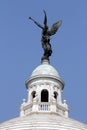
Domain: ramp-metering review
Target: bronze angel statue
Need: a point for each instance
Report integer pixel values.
(46, 34)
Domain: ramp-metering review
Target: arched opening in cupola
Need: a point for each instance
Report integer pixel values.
(33, 94)
(55, 95)
(44, 95)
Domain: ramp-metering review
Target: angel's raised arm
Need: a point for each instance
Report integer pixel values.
(45, 18)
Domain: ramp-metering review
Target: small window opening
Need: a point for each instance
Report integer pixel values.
(55, 95)
(44, 96)
(33, 94)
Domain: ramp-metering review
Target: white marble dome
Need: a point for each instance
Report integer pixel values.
(45, 69)
(42, 122)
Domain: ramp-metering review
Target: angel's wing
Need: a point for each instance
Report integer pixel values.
(54, 28)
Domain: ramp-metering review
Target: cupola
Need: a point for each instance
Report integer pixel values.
(44, 92)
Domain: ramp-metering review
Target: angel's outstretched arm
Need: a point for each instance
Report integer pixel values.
(39, 25)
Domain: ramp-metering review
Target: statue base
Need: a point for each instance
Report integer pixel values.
(45, 58)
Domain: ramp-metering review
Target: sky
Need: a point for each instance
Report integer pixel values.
(21, 51)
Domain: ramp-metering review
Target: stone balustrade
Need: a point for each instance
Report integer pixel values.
(26, 108)
(44, 106)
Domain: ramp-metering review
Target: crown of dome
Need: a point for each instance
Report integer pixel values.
(45, 69)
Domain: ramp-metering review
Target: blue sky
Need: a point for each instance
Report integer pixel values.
(21, 51)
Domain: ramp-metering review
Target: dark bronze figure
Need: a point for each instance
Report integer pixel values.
(46, 33)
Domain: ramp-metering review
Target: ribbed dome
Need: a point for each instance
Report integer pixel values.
(42, 122)
(45, 69)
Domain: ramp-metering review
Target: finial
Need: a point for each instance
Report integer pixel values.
(45, 61)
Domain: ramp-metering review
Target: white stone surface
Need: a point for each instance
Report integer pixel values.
(42, 122)
(45, 69)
